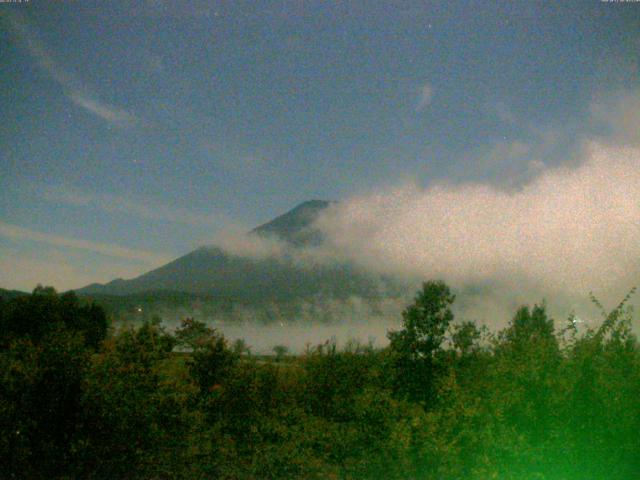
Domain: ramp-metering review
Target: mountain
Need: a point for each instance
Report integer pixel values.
(295, 226)
(9, 294)
(212, 273)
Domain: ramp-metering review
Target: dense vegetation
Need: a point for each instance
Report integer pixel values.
(444, 400)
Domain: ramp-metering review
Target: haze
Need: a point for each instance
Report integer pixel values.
(485, 145)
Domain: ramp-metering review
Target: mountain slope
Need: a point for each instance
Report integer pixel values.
(10, 294)
(295, 225)
(212, 272)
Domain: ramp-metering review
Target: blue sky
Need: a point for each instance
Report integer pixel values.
(132, 132)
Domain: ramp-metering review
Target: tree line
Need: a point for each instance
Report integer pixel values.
(444, 400)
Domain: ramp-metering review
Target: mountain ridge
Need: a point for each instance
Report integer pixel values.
(294, 226)
(210, 271)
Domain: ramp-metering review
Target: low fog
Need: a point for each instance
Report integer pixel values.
(365, 321)
(368, 321)
(571, 230)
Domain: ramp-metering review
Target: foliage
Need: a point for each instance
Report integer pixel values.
(129, 413)
(444, 401)
(192, 333)
(211, 362)
(33, 316)
(417, 345)
(281, 352)
(46, 343)
(40, 391)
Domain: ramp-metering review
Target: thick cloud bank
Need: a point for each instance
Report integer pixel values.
(570, 230)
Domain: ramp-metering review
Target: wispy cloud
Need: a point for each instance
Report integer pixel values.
(619, 114)
(424, 98)
(15, 232)
(140, 207)
(113, 115)
(509, 163)
(23, 270)
(73, 88)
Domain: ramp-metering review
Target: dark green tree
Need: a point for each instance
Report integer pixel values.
(211, 363)
(416, 346)
(193, 333)
(40, 391)
(129, 421)
(465, 338)
(46, 343)
(33, 316)
(531, 325)
(281, 352)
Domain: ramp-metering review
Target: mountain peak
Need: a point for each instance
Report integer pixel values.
(294, 225)
(209, 270)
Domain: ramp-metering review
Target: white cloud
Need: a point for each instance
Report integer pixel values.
(24, 272)
(16, 232)
(506, 151)
(113, 115)
(73, 88)
(513, 162)
(425, 97)
(49, 266)
(509, 163)
(140, 207)
(236, 242)
(570, 229)
(620, 113)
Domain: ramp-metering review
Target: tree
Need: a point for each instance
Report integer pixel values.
(128, 419)
(193, 333)
(465, 338)
(211, 363)
(240, 347)
(531, 325)
(34, 316)
(40, 389)
(281, 352)
(415, 347)
(425, 322)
